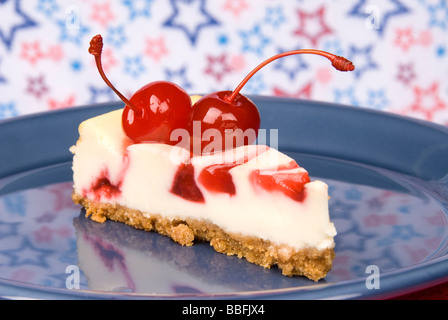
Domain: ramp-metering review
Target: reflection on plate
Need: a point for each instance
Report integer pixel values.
(379, 222)
(118, 258)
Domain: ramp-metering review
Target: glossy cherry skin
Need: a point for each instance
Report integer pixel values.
(214, 111)
(162, 107)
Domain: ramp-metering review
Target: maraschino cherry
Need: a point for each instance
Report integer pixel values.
(228, 111)
(160, 107)
(154, 111)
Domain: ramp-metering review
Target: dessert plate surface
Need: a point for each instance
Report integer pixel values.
(388, 182)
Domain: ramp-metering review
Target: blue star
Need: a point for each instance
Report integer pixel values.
(115, 36)
(69, 255)
(12, 10)
(353, 194)
(15, 203)
(332, 188)
(377, 99)
(72, 32)
(138, 8)
(334, 46)
(342, 210)
(362, 58)
(353, 238)
(440, 51)
(191, 17)
(404, 209)
(256, 84)
(438, 15)
(2, 78)
(385, 259)
(290, 65)
(345, 96)
(47, 7)
(254, 40)
(404, 232)
(8, 229)
(27, 254)
(179, 77)
(223, 39)
(76, 65)
(101, 94)
(360, 10)
(134, 66)
(385, 242)
(375, 203)
(275, 16)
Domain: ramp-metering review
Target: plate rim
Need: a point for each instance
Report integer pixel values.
(263, 98)
(436, 266)
(357, 288)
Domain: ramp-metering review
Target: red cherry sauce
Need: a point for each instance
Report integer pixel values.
(290, 184)
(184, 184)
(102, 187)
(217, 178)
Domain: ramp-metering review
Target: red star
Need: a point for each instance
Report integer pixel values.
(61, 194)
(156, 48)
(312, 25)
(324, 75)
(375, 220)
(235, 6)
(217, 66)
(404, 38)
(64, 232)
(416, 254)
(425, 38)
(427, 102)
(58, 104)
(31, 51)
(37, 86)
(102, 13)
(23, 275)
(238, 62)
(55, 52)
(436, 219)
(303, 93)
(406, 73)
(43, 234)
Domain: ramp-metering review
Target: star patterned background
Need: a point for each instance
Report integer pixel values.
(399, 47)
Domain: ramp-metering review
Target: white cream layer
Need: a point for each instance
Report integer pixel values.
(147, 171)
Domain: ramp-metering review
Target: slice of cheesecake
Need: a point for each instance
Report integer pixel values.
(253, 201)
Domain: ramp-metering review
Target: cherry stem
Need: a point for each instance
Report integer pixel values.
(96, 48)
(340, 63)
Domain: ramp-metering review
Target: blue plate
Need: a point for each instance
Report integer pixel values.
(388, 179)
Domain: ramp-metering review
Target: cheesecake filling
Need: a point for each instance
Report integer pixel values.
(251, 190)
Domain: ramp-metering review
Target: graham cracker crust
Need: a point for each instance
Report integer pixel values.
(309, 262)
